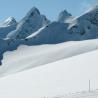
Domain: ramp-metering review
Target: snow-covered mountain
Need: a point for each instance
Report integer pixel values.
(64, 16)
(29, 24)
(7, 26)
(35, 29)
(79, 28)
(35, 41)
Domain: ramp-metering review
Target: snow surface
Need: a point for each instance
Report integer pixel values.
(55, 79)
(26, 57)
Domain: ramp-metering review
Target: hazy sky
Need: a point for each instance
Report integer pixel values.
(51, 8)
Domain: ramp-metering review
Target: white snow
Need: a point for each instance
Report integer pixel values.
(26, 57)
(54, 79)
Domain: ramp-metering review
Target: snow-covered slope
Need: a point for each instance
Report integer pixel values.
(54, 79)
(26, 57)
(7, 26)
(29, 24)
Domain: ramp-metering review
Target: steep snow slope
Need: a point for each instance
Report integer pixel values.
(26, 57)
(29, 24)
(7, 26)
(54, 79)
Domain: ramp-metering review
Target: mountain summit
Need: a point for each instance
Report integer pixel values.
(29, 24)
(9, 22)
(7, 26)
(64, 15)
